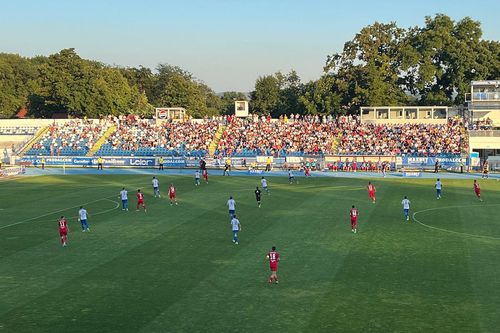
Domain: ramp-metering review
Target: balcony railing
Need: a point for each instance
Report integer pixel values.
(485, 133)
(483, 96)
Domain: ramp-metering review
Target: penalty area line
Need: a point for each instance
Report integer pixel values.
(61, 210)
(464, 234)
(98, 213)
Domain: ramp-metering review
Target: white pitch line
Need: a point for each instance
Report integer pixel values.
(57, 211)
(93, 214)
(109, 210)
(451, 231)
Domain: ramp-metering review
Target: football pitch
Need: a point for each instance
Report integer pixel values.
(175, 268)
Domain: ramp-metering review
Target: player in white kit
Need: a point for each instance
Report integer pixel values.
(124, 197)
(406, 208)
(235, 226)
(82, 217)
(263, 182)
(231, 204)
(156, 187)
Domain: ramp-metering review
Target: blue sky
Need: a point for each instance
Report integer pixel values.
(225, 43)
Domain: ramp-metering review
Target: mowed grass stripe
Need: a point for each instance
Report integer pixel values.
(305, 254)
(46, 195)
(408, 286)
(48, 242)
(271, 226)
(162, 240)
(192, 278)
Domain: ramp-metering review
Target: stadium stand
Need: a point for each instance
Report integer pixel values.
(144, 137)
(296, 136)
(72, 138)
(394, 139)
(256, 135)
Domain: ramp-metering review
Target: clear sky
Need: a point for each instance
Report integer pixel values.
(225, 43)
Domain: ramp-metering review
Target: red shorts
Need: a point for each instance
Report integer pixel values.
(63, 232)
(372, 195)
(274, 267)
(172, 196)
(354, 221)
(478, 192)
(140, 202)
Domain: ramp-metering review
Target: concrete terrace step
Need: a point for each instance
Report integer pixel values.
(95, 148)
(216, 139)
(41, 132)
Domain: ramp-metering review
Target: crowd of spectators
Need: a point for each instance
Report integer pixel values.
(481, 124)
(293, 135)
(74, 137)
(345, 135)
(134, 135)
(411, 138)
(285, 136)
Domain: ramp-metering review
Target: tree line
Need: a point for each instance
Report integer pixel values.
(65, 83)
(382, 65)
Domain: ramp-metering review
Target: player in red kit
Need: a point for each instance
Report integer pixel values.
(354, 213)
(140, 200)
(171, 194)
(371, 191)
(63, 230)
(477, 190)
(274, 258)
(307, 173)
(204, 171)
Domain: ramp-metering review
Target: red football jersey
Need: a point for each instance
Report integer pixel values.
(354, 213)
(371, 188)
(171, 190)
(476, 186)
(63, 224)
(274, 257)
(140, 196)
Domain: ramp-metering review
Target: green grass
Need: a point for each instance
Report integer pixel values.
(175, 269)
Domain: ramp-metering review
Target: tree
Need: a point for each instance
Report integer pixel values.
(382, 65)
(17, 81)
(175, 87)
(265, 98)
(277, 94)
(69, 84)
(291, 88)
(227, 101)
(368, 69)
(319, 97)
(450, 56)
(142, 78)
